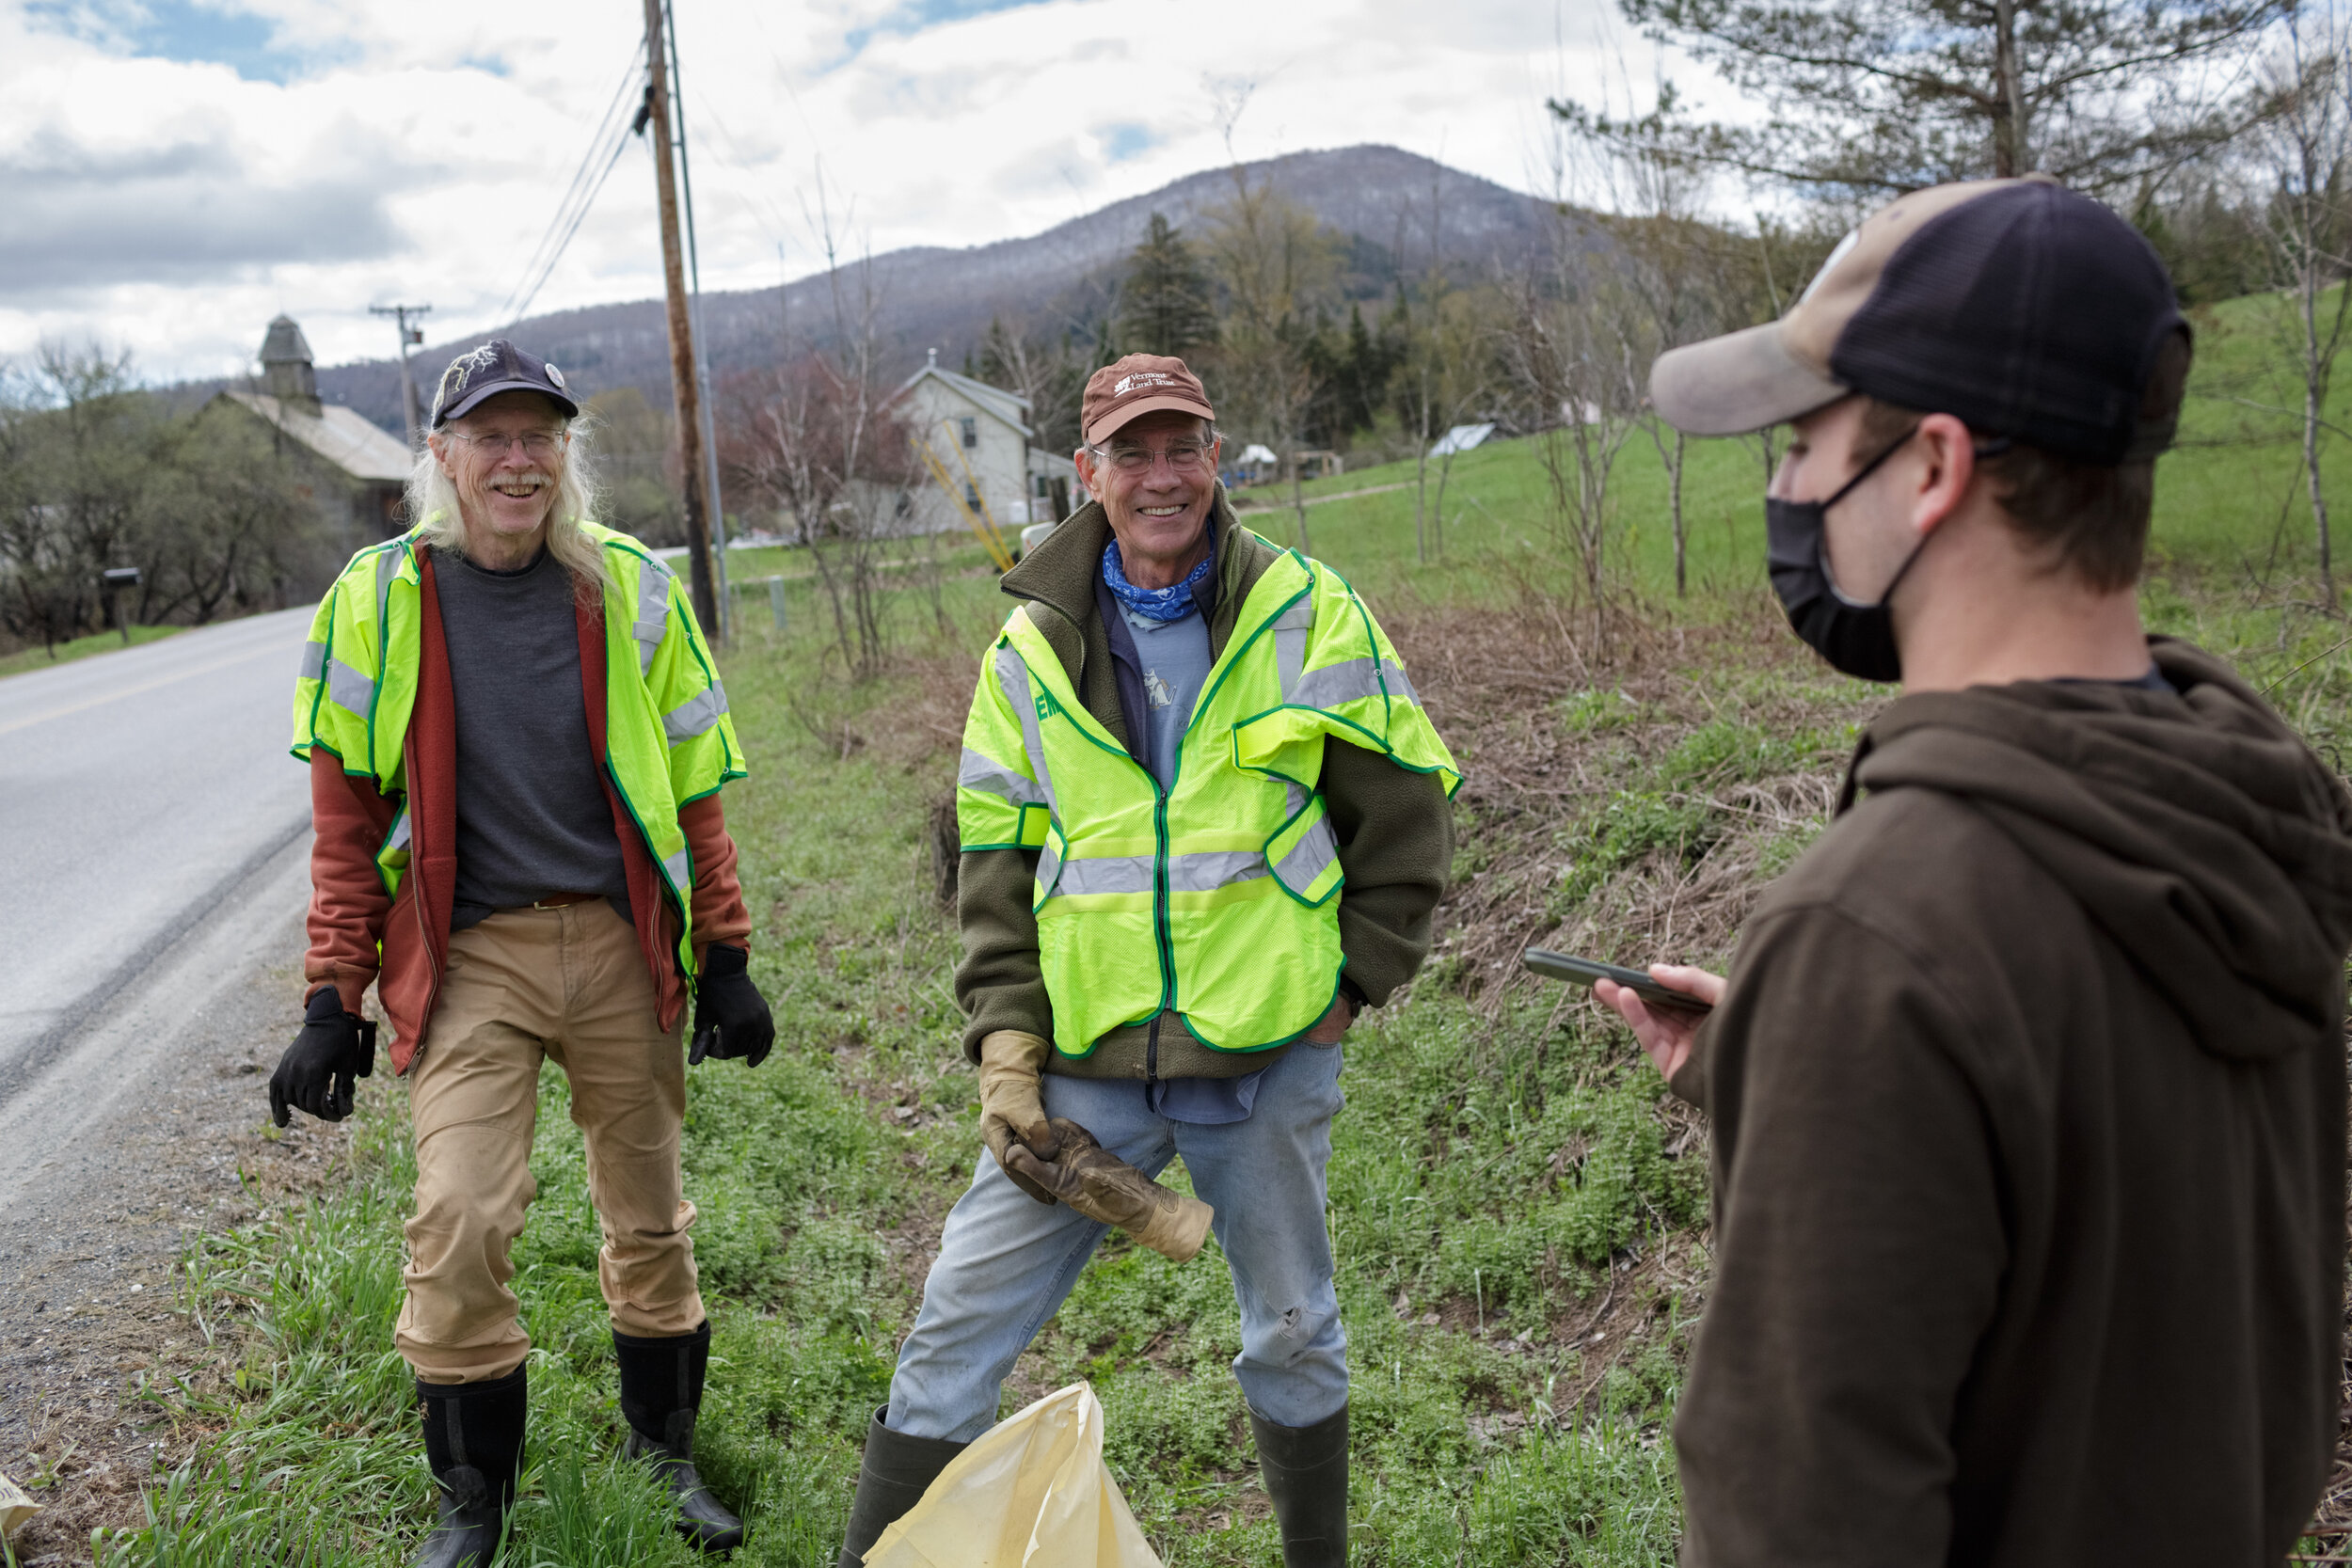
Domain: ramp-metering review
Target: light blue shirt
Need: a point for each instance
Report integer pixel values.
(1173, 656)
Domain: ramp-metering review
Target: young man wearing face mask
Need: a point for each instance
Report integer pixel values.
(2028, 1079)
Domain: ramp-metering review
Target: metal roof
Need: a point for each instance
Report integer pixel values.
(344, 438)
(1011, 408)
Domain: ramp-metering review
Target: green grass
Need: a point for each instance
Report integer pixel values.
(79, 647)
(1505, 1171)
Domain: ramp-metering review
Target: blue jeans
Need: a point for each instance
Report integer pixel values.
(1006, 1261)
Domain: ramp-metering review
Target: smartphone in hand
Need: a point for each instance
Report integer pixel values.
(1584, 972)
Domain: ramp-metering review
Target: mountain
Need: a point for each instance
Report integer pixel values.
(1377, 198)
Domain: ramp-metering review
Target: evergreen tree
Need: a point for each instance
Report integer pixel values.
(1163, 306)
(1867, 99)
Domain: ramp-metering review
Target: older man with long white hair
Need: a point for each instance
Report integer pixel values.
(516, 739)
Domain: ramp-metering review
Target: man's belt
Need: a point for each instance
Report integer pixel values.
(563, 900)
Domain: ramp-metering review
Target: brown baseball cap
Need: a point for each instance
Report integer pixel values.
(2020, 307)
(1136, 385)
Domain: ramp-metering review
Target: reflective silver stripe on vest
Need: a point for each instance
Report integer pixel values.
(653, 612)
(1348, 681)
(1048, 864)
(350, 688)
(1309, 857)
(696, 715)
(990, 777)
(1207, 870)
(679, 868)
(1290, 640)
(1111, 874)
(1013, 676)
(1203, 872)
(313, 662)
(387, 568)
(400, 834)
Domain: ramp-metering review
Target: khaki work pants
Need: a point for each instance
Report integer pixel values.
(525, 985)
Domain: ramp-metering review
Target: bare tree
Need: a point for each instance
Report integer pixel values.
(2305, 150)
(1273, 263)
(1449, 377)
(96, 472)
(823, 445)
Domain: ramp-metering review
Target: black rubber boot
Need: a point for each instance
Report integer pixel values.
(473, 1440)
(891, 1479)
(1305, 1471)
(662, 1388)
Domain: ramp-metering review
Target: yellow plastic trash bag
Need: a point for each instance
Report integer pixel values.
(1033, 1492)
(15, 1508)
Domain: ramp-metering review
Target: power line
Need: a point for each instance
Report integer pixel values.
(596, 164)
(571, 228)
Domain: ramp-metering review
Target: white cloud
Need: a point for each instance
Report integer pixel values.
(171, 205)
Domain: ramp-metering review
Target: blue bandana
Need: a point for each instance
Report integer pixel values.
(1158, 604)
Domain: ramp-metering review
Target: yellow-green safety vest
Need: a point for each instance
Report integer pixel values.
(1218, 896)
(669, 740)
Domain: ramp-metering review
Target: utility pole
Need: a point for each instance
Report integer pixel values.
(702, 364)
(407, 381)
(684, 386)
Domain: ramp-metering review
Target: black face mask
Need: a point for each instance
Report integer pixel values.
(1858, 639)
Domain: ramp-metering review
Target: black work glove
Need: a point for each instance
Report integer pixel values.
(731, 1017)
(317, 1073)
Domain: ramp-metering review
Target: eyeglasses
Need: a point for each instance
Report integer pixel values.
(1183, 457)
(536, 443)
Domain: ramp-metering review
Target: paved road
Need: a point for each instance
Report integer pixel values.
(141, 792)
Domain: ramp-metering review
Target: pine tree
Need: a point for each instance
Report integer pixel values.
(1867, 99)
(1163, 306)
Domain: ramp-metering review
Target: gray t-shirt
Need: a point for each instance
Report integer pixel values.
(531, 815)
(1174, 658)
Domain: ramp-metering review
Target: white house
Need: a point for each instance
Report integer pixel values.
(975, 446)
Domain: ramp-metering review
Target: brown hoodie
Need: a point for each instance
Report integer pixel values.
(2028, 1095)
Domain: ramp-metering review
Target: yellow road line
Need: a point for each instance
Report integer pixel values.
(144, 685)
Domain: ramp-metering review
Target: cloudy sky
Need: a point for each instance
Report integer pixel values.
(175, 172)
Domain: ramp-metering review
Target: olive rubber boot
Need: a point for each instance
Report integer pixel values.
(473, 1440)
(1305, 1471)
(891, 1479)
(661, 1390)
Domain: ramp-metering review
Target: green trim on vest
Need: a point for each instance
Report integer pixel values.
(1217, 896)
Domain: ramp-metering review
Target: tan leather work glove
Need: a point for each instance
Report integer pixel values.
(1012, 1114)
(1102, 1186)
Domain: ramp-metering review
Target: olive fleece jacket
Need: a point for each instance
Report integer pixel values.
(2028, 1099)
(1395, 829)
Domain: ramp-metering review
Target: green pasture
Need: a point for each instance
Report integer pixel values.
(1501, 1166)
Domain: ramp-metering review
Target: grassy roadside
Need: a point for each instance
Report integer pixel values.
(1516, 1306)
(1517, 1210)
(80, 647)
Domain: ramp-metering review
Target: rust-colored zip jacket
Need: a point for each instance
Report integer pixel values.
(353, 920)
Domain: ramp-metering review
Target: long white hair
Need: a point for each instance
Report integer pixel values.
(433, 503)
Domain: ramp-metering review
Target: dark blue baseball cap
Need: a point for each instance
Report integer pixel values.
(498, 366)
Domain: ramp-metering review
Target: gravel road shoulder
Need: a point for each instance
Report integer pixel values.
(146, 1141)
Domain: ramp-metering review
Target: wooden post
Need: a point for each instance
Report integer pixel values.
(683, 386)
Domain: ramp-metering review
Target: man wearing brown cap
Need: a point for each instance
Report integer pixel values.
(2028, 1080)
(1204, 822)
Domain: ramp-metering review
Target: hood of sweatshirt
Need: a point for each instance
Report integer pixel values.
(2193, 826)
